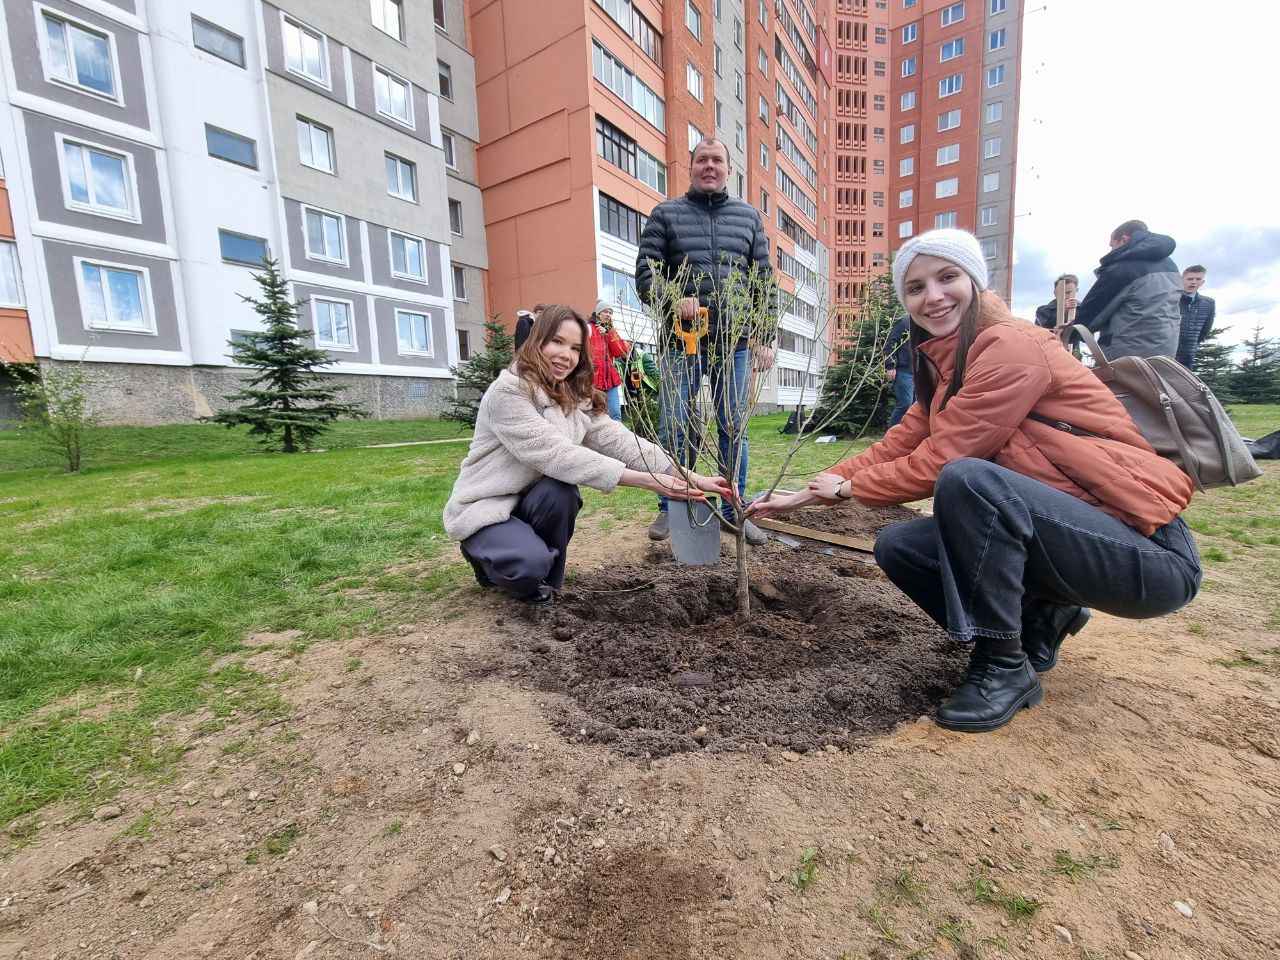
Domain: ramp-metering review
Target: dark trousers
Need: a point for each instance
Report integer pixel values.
(529, 549)
(1001, 548)
(904, 395)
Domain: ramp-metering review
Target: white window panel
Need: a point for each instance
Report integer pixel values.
(10, 276)
(952, 14)
(693, 19)
(459, 282)
(909, 33)
(79, 55)
(326, 235)
(953, 84)
(990, 248)
(948, 121)
(948, 154)
(334, 326)
(942, 221)
(393, 96)
(402, 178)
(906, 166)
(408, 257)
(995, 75)
(764, 156)
(98, 181)
(450, 151)
(990, 182)
(991, 148)
(305, 52)
(907, 101)
(413, 333)
(909, 67)
(990, 216)
(905, 229)
(951, 49)
(906, 198)
(114, 297)
(998, 6)
(213, 39)
(388, 17)
(995, 112)
(455, 217)
(695, 137)
(907, 133)
(315, 146)
(946, 188)
(444, 74)
(997, 39)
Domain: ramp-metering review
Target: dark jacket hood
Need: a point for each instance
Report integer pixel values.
(707, 199)
(1141, 246)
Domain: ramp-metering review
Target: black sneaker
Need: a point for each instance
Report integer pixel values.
(544, 596)
(994, 689)
(1042, 635)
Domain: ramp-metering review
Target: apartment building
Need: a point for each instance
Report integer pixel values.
(15, 327)
(157, 150)
(954, 97)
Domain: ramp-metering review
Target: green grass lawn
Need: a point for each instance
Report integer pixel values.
(1255, 419)
(121, 587)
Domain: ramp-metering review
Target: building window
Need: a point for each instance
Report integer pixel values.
(946, 188)
(762, 109)
(231, 147)
(389, 18)
(948, 154)
(991, 182)
(98, 181)
(877, 102)
(737, 33)
(996, 39)
(742, 186)
(627, 86)
(619, 220)
(695, 137)
(951, 49)
(464, 345)
(333, 327)
(906, 166)
(762, 13)
(998, 6)
(906, 198)
(764, 155)
(991, 148)
(739, 136)
(80, 56)
(242, 248)
(455, 217)
(326, 235)
(437, 9)
(445, 75)
(738, 85)
(943, 221)
(909, 33)
(950, 85)
(719, 115)
(952, 14)
(990, 217)
(315, 146)
(459, 282)
(907, 101)
(717, 61)
(991, 248)
(408, 257)
(762, 61)
(450, 150)
(948, 121)
(995, 75)
(402, 178)
(764, 201)
(693, 80)
(394, 97)
(413, 333)
(995, 112)
(305, 52)
(693, 19)
(907, 133)
(114, 297)
(909, 67)
(221, 43)
(10, 275)
(619, 287)
(905, 229)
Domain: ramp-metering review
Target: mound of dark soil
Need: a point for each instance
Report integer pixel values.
(654, 662)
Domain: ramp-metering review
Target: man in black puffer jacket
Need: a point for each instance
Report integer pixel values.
(1133, 304)
(716, 235)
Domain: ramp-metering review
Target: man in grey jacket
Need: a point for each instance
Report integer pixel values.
(715, 234)
(1133, 304)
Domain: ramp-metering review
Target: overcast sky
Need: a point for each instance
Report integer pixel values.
(1160, 111)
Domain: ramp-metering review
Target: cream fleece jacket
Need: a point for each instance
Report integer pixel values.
(522, 436)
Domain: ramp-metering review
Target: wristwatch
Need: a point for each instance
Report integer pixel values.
(841, 487)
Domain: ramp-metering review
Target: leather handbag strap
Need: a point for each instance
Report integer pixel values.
(1099, 356)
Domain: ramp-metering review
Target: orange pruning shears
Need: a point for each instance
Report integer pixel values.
(691, 336)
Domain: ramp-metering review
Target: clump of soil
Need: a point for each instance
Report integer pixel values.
(854, 520)
(654, 661)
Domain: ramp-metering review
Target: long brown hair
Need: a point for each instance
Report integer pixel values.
(925, 384)
(532, 367)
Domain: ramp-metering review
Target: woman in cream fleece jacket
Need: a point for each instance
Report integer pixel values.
(541, 431)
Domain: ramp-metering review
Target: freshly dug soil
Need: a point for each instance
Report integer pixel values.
(655, 663)
(853, 520)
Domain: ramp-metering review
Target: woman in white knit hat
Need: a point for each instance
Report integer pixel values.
(1047, 499)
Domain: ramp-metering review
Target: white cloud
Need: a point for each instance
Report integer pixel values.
(1160, 112)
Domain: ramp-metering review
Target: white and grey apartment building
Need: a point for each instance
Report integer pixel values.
(156, 150)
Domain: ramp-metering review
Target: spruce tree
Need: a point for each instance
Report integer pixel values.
(1215, 366)
(854, 388)
(1258, 378)
(474, 377)
(286, 401)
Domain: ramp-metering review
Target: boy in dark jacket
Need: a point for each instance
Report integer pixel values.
(1197, 315)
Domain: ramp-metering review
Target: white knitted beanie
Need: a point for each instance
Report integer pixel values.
(959, 246)
(602, 306)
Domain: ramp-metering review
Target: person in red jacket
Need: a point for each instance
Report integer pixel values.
(1033, 522)
(605, 347)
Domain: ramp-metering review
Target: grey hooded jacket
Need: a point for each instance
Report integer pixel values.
(1132, 307)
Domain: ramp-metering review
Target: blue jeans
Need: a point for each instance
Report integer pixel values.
(904, 395)
(1000, 544)
(730, 390)
(613, 397)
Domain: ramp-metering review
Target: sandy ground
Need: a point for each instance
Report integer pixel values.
(414, 805)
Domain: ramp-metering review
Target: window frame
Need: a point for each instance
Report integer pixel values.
(429, 350)
(449, 144)
(950, 183)
(242, 63)
(354, 346)
(391, 257)
(954, 83)
(951, 218)
(906, 198)
(148, 306)
(908, 67)
(398, 36)
(907, 133)
(444, 71)
(256, 264)
(1001, 33)
(915, 33)
(995, 70)
(948, 16)
(441, 24)
(46, 54)
(458, 271)
(905, 229)
(392, 76)
(691, 9)
(231, 133)
(986, 112)
(332, 141)
(10, 253)
(326, 66)
(989, 216)
(134, 212)
(946, 114)
(911, 166)
(998, 7)
(903, 106)
(450, 205)
(987, 143)
(402, 162)
(948, 147)
(986, 177)
(342, 233)
(957, 49)
(693, 77)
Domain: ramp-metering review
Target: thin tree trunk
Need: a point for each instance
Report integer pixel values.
(744, 586)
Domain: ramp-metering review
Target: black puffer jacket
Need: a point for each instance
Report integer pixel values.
(1133, 304)
(716, 234)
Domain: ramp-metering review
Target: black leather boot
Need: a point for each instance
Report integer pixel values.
(1044, 629)
(995, 688)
